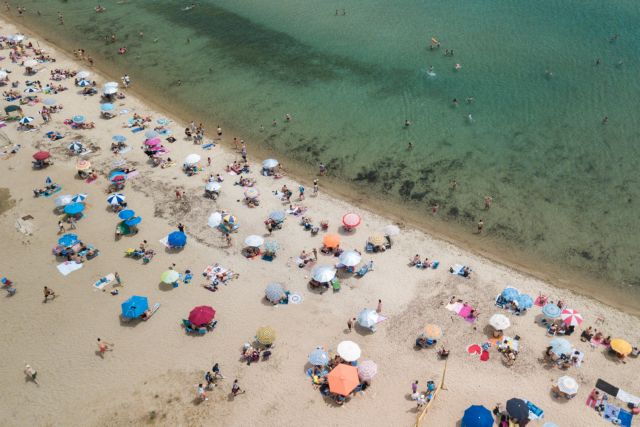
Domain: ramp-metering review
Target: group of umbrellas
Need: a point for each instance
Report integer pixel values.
(569, 317)
(523, 301)
(72, 205)
(129, 218)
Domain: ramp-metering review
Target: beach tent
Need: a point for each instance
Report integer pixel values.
(12, 109)
(134, 307)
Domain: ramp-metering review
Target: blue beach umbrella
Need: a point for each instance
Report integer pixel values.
(270, 246)
(119, 138)
(114, 176)
(73, 208)
(133, 221)
(84, 83)
(277, 216)
(551, 311)
(126, 214)
(25, 120)
(177, 239)
(477, 416)
(524, 301)
(78, 119)
(319, 357)
(134, 307)
(151, 134)
(550, 425)
(80, 197)
(560, 346)
(48, 181)
(68, 240)
(115, 199)
(106, 107)
(49, 101)
(510, 294)
(274, 292)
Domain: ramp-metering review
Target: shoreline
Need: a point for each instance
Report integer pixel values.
(500, 252)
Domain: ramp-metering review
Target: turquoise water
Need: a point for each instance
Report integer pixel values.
(564, 185)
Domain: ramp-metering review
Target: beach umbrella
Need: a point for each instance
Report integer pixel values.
(560, 346)
(331, 240)
(367, 370)
(83, 165)
(48, 101)
(17, 38)
(349, 351)
(30, 63)
(31, 89)
(126, 214)
(477, 416)
(12, 108)
(323, 273)
(568, 385)
(343, 379)
(551, 311)
(271, 246)
(229, 219)
(350, 258)
(48, 181)
(499, 322)
(73, 208)
(367, 318)
(571, 317)
(117, 176)
(253, 241)
(214, 219)
(202, 315)
(151, 134)
(83, 74)
(153, 141)
(115, 199)
(621, 346)
(109, 90)
(75, 146)
(106, 107)
(351, 220)
(133, 221)
(524, 301)
(63, 200)
(80, 197)
(274, 292)
(213, 186)
(3, 74)
(251, 193)
(509, 294)
(518, 409)
(377, 239)
(111, 84)
(432, 332)
(177, 239)
(26, 120)
(84, 83)
(169, 276)
(78, 119)
(319, 357)
(134, 307)
(266, 335)
(192, 159)
(119, 138)
(42, 155)
(270, 163)
(68, 240)
(277, 216)
(391, 230)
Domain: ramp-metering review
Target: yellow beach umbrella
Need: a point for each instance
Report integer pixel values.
(432, 331)
(266, 335)
(377, 239)
(621, 346)
(169, 276)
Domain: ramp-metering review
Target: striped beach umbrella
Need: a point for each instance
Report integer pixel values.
(25, 120)
(84, 83)
(115, 199)
(367, 369)
(31, 89)
(552, 311)
(568, 385)
(80, 197)
(351, 220)
(83, 165)
(571, 317)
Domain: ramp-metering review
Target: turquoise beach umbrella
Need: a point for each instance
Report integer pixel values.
(551, 311)
(510, 294)
(73, 208)
(134, 307)
(78, 119)
(106, 107)
(524, 301)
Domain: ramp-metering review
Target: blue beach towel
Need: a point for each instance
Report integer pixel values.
(136, 130)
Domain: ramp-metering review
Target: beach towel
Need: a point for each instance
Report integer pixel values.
(155, 308)
(484, 356)
(68, 267)
(625, 418)
(474, 349)
(462, 310)
(628, 398)
(104, 281)
(606, 387)
(136, 130)
(611, 412)
(295, 299)
(535, 413)
(208, 146)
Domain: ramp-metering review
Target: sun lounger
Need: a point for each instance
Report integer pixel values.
(153, 310)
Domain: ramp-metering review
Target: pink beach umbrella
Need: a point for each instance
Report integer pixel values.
(571, 317)
(351, 220)
(153, 141)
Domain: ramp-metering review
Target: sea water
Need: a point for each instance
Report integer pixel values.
(533, 84)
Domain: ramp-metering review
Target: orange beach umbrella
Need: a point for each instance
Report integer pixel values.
(331, 240)
(343, 379)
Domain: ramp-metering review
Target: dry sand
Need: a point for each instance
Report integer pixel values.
(150, 376)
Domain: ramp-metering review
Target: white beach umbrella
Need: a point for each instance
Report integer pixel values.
(76, 146)
(192, 159)
(213, 186)
(391, 230)
(80, 197)
(251, 193)
(499, 322)
(30, 63)
(253, 241)
(63, 200)
(17, 38)
(350, 258)
(323, 273)
(110, 90)
(111, 84)
(215, 219)
(83, 74)
(568, 385)
(3, 74)
(270, 163)
(367, 318)
(31, 89)
(349, 351)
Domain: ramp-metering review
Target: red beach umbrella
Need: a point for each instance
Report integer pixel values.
(201, 315)
(351, 220)
(42, 155)
(571, 317)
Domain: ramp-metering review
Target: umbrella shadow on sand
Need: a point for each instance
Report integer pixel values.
(361, 330)
(164, 287)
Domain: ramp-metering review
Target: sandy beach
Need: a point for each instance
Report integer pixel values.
(151, 374)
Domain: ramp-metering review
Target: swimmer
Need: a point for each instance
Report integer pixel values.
(470, 100)
(455, 102)
(457, 67)
(430, 72)
(470, 118)
(407, 123)
(605, 120)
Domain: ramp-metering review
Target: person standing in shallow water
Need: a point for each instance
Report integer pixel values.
(480, 226)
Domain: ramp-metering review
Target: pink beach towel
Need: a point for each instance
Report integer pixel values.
(484, 356)
(474, 349)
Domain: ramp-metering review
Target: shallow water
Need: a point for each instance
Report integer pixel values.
(564, 185)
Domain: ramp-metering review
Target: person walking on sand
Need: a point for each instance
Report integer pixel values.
(300, 193)
(487, 201)
(48, 293)
(235, 388)
(379, 308)
(315, 187)
(480, 226)
(103, 347)
(118, 279)
(216, 371)
(61, 228)
(414, 387)
(315, 254)
(202, 394)
(350, 323)
(31, 373)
